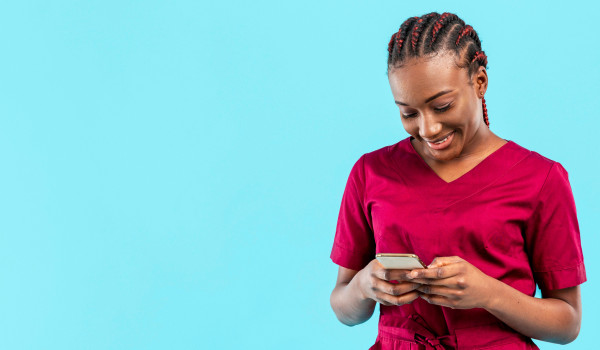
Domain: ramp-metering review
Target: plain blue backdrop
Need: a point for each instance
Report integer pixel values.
(172, 171)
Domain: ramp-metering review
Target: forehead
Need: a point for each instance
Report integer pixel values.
(420, 78)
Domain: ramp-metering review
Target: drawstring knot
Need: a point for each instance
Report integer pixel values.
(433, 342)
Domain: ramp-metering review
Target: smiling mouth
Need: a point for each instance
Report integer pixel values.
(442, 143)
(441, 139)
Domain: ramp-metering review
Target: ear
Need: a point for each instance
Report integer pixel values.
(480, 81)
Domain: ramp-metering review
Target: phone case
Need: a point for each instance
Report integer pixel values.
(400, 261)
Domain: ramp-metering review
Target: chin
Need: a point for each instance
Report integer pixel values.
(447, 154)
(443, 155)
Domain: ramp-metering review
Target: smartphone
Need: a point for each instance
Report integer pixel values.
(400, 261)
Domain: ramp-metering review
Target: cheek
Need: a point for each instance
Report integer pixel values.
(472, 111)
(461, 117)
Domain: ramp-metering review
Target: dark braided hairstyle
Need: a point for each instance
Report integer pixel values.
(432, 33)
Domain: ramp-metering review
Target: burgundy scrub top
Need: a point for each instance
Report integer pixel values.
(512, 216)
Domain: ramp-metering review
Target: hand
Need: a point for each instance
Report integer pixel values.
(374, 283)
(455, 283)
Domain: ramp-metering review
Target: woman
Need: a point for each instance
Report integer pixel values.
(490, 217)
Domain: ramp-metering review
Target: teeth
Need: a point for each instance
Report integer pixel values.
(441, 141)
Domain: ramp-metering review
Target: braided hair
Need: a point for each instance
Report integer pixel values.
(420, 36)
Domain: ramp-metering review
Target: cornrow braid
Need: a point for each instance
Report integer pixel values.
(441, 23)
(433, 33)
(419, 28)
(467, 30)
(399, 37)
(391, 43)
(480, 56)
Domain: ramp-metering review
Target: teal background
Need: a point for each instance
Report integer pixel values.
(172, 171)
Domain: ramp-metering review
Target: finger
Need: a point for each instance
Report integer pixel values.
(448, 282)
(458, 282)
(444, 260)
(437, 300)
(445, 271)
(381, 300)
(391, 274)
(394, 288)
(398, 275)
(407, 298)
(450, 293)
(385, 299)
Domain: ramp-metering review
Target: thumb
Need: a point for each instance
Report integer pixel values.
(443, 261)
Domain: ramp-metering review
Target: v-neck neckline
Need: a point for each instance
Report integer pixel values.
(469, 173)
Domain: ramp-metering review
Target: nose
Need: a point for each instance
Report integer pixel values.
(429, 126)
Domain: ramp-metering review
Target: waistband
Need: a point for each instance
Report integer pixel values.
(414, 329)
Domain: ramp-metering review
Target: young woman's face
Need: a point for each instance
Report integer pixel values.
(436, 101)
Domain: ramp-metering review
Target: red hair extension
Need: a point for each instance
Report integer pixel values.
(415, 34)
(391, 43)
(400, 45)
(485, 114)
(438, 25)
(399, 41)
(479, 55)
(465, 31)
(419, 26)
(396, 37)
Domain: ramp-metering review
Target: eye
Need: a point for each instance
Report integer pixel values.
(443, 109)
(407, 116)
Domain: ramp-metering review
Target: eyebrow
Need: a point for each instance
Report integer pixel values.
(429, 99)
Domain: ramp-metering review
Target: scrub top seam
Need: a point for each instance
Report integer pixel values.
(537, 197)
(493, 182)
(478, 166)
(545, 180)
(559, 268)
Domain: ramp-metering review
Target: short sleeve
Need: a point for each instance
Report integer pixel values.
(354, 244)
(552, 235)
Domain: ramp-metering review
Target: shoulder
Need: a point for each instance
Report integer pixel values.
(385, 156)
(538, 167)
(381, 161)
(533, 159)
